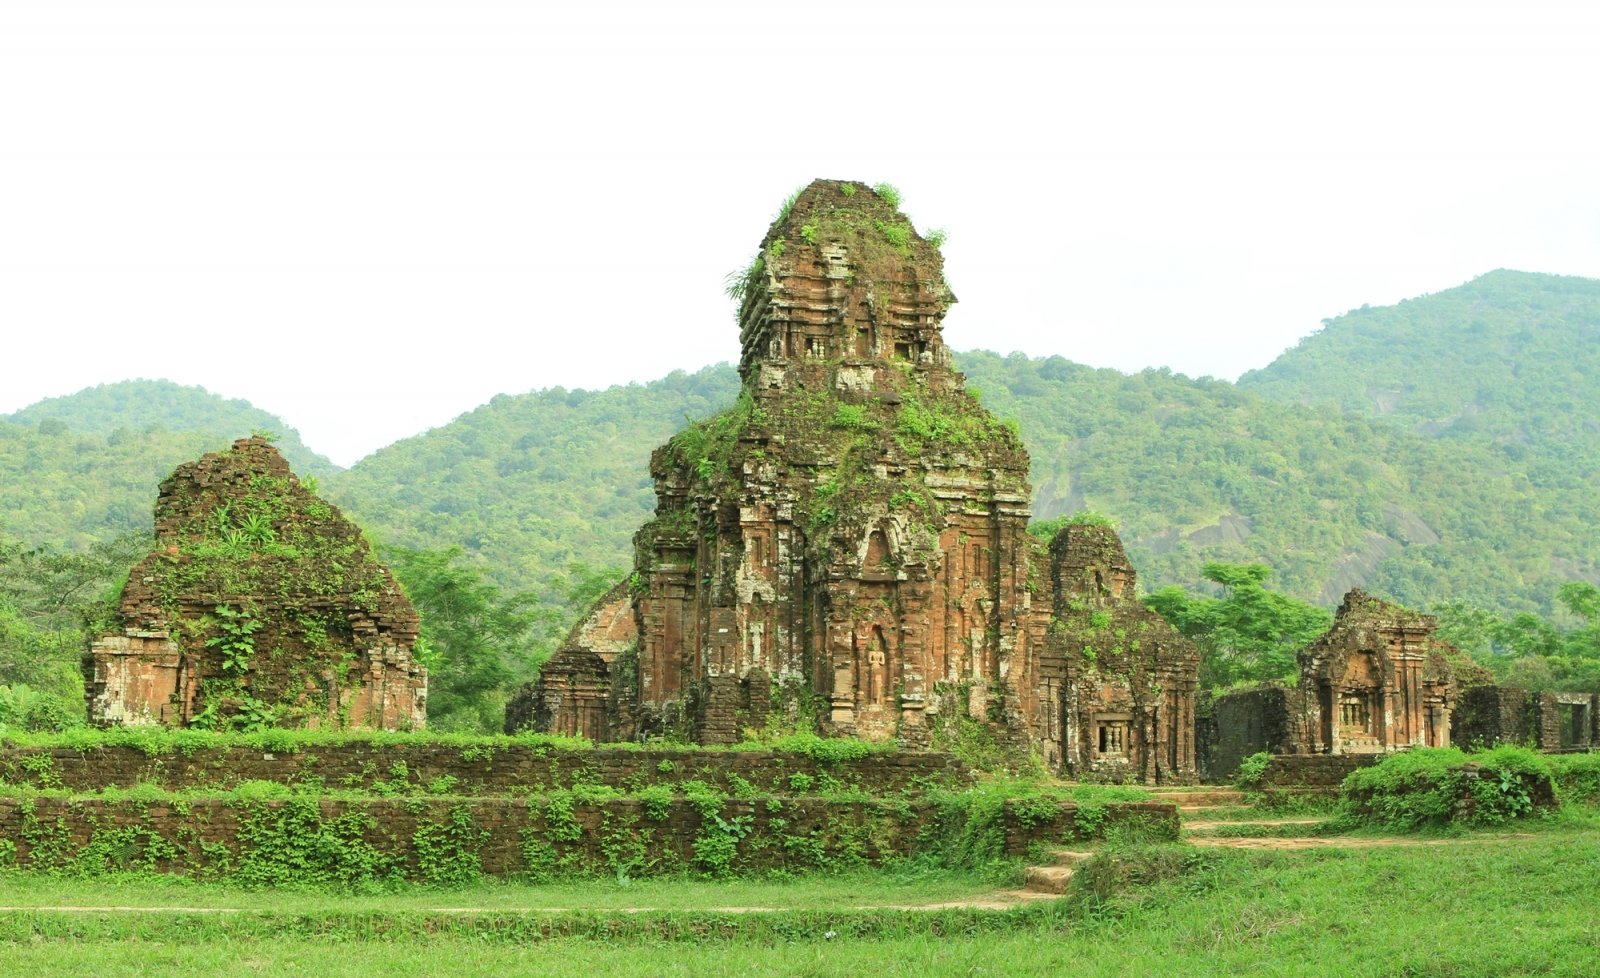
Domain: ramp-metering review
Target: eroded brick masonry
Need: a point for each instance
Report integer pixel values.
(261, 605)
(847, 547)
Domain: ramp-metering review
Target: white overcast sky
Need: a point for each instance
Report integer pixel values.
(369, 217)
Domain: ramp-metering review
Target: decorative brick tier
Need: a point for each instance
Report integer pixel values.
(482, 770)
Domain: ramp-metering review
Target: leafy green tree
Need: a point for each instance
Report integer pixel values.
(1248, 634)
(472, 639)
(1525, 649)
(478, 641)
(49, 603)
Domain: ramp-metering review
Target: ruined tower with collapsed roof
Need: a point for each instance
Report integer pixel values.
(1377, 681)
(261, 605)
(847, 548)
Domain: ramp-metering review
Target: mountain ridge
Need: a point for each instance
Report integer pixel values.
(139, 404)
(1498, 512)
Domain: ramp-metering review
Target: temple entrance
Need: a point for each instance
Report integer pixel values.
(1574, 725)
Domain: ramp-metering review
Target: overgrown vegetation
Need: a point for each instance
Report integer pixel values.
(1435, 786)
(1194, 471)
(48, 602)
(477, 640)
(390, 826)
(1530, 650)
(1159, 909)
(1047, 529)
(1251, 770)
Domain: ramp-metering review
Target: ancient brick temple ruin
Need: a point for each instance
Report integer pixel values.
(1376, 681)
(574, 694)
(847, 547)
(1115, 687)
(1550, 720)
(261, 605)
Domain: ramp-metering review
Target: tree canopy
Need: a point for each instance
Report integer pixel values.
(1248, 633)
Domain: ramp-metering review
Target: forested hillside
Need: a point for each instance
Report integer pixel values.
(1512, 357)
(532, 484)
(69, 490)
(82, 469)
(1198, 470)
(1443, 452)
(1486, 499)
(133, 406)
(1192, 470)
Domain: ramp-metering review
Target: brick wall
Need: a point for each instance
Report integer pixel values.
(1488, 715)
(1246, 722)
(515, 768)
(508, 837)
(1323, 771)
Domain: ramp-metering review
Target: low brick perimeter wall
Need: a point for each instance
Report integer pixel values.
(438, 839)
(1024, 826)
(1324, 772)
(488, 770)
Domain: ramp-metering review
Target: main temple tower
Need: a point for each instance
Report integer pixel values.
(846, 548)
(850, 539)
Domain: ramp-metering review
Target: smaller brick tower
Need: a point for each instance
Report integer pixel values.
(261, 605)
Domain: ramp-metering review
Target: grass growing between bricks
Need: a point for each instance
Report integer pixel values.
(269, 834)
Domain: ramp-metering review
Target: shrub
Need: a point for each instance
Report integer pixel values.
(24, 708)
(1047, 529)
(1440, 785)
(889, 193)
(1251, 770)
(1578, 777)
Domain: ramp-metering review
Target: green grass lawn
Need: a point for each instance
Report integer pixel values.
(1474, 905)
(893, 887)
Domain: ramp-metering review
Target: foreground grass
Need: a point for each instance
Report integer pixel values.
(1475, 906)
(818, 892)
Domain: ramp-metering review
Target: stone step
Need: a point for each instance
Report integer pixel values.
(1068, 857)
(1211, 798)
(1047, 879)
(1203, 824)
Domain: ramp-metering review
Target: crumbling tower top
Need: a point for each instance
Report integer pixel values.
(844, 294)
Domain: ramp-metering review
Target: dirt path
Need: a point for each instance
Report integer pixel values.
(1218, 823)
(1003, 900)
(1339, 842)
